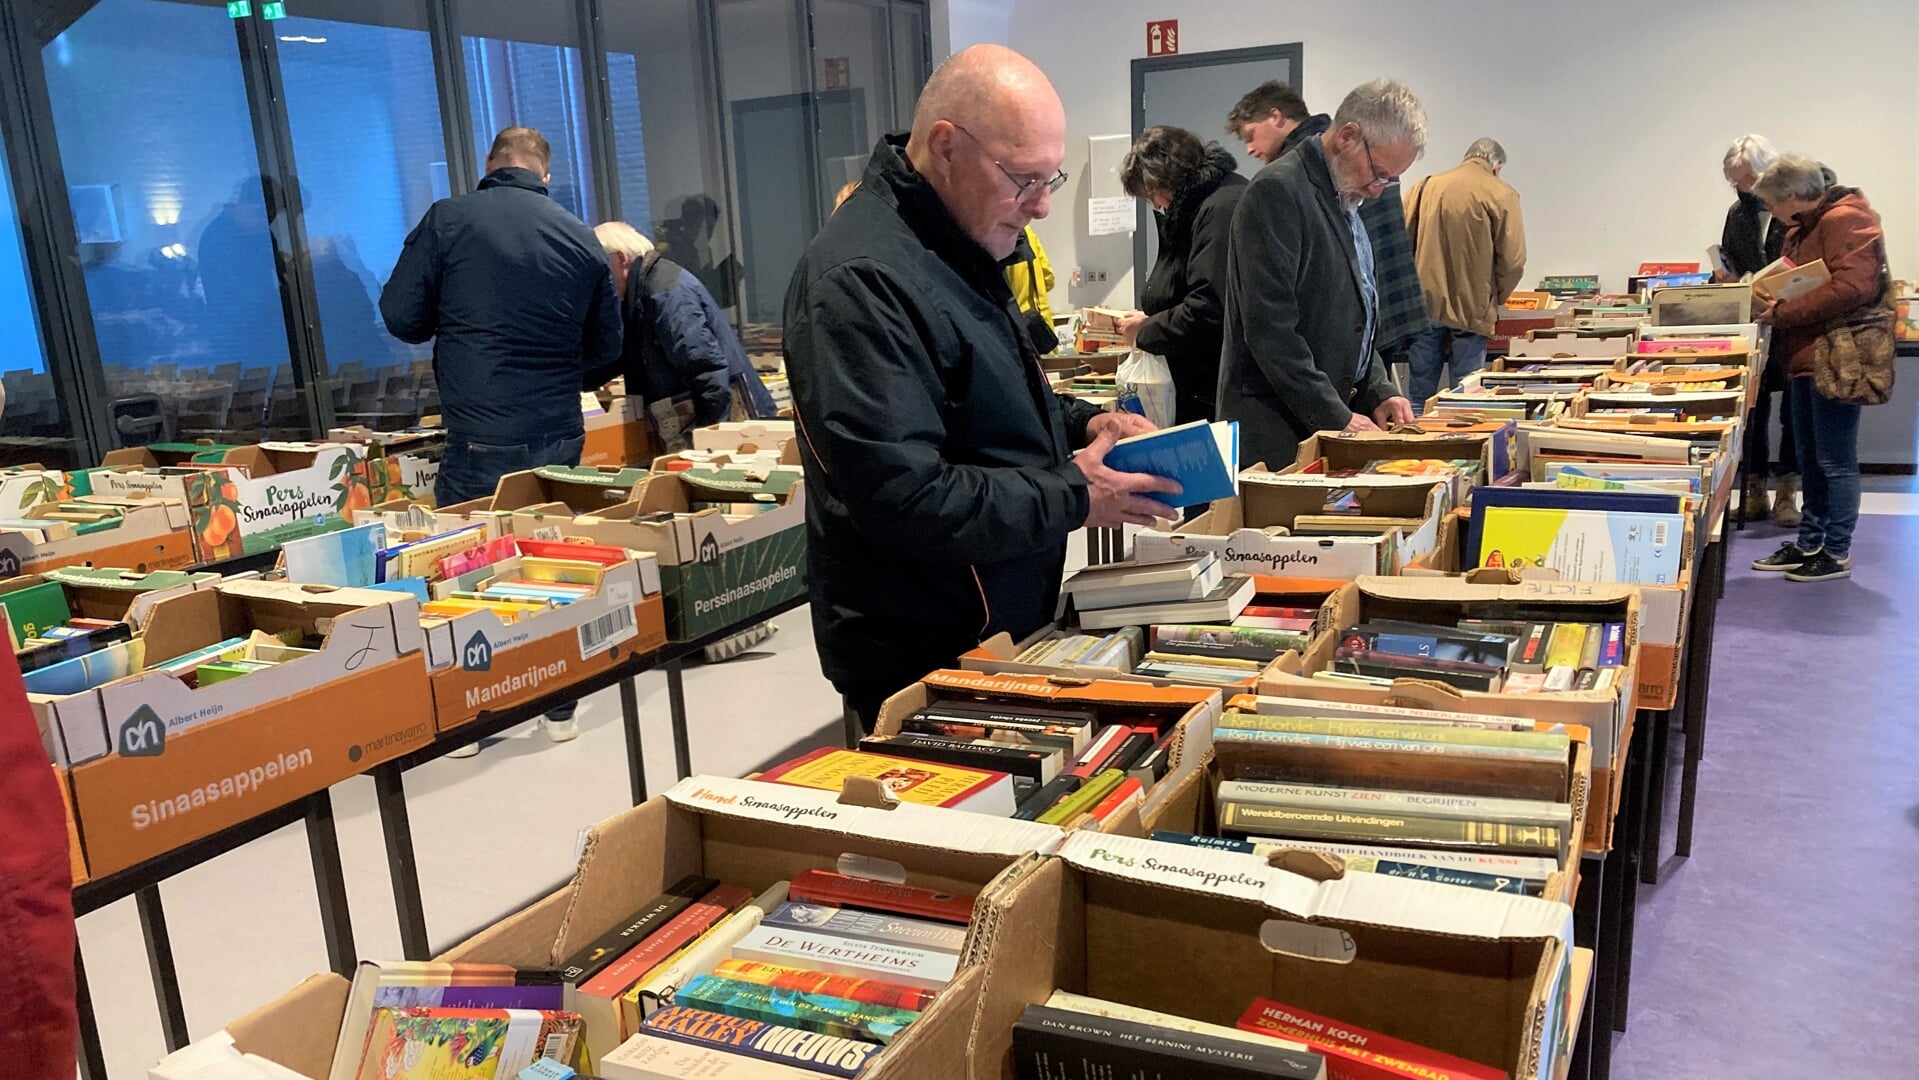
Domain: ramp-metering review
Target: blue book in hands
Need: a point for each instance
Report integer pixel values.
(1202, 457)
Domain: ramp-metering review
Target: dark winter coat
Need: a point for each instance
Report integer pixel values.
(1740, 244)
(1185, 295)
(678, 342)
(940, 486)
(515, 294)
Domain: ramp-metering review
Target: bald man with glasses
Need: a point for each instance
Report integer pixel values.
(941, 473)
(1303, 299)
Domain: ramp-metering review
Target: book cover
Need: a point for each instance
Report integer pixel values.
(647, 1057)
(792, 1008)
(1202, 457)
(435, 1044)
(852, 988)
(907, 965)
(348, 558)
(1051, 1043)
(868, 926)
(827, 1054)
(826, 887)
(1381, 1056)
(1254, 819)
(922, 782)
(35, 609)
(696, 959)
(1112, 1010)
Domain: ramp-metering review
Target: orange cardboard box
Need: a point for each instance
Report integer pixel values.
(152, 535)
(618, 436)
(76, 854)
(481, 665)
(186, 763)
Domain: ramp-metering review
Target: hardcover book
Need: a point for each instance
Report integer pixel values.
(826, 887)
(1353, 1053)
(909, 966)
(1051, 1043)
(921, 782)
(1202, 457)
(869, 926)
(792, 1008)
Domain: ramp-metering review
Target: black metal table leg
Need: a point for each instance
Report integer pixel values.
(93, 1060)
(1660, 723)
(166, 981)
(676, 701)
(1592, 914)
(329, 882)
(1698, 692)
(389, 784)
(635, 755)
(1626, 846)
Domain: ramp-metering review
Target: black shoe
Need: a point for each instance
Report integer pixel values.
(1788, 557)
(1821, 567)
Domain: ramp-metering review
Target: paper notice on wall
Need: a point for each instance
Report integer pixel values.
(1109, 217)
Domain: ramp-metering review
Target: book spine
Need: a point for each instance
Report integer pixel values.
(1396, 1057)
(869, 926)
(1129, 790)
(1217, 843)
(1065, 738)
(963, 754)
(588, 962)
(910, 966)
(1050, 1043)
(1422, 747)
(1042, 799)
(827, 1054)
(1522, 811)
(1244, 819)
(1088, 796)
(823, 887)
(1100, 752)
(1447, 876)
(1613, 652)
(852, 988)
(613, 980)
(808, 1012)
(1407, 730)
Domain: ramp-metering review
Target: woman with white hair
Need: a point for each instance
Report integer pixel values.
(1834, 224)
(1750, 242)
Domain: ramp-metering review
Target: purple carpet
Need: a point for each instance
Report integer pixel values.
(1788, 945)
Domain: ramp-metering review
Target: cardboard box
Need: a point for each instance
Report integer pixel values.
(752, 436)
(27, 486)
(753, 834)
(1691, 304)
(717, 570)
(1545, 345)
(1174, 803)
(137, 471)
(480, 665)
(1236, 529)
(152, 535)
(1351, 451)
(110, 593)
(291, 490)
(1608, 714)
(157, 764)
(76, 851)
(618, 435)
(1199, 934)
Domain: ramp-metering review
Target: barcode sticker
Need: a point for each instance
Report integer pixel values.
(607, 631)
(1659, 534)
(555, 1048)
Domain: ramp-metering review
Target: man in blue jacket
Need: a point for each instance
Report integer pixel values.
(678, 343)
(515, 295)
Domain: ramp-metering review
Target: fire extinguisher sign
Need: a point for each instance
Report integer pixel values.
(1162, 37)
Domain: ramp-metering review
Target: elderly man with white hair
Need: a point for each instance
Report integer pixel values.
(1302, 305)
(1752, 239)
(940, 473)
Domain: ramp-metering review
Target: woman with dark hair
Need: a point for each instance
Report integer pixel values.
(1838, 226)
(1194, 186)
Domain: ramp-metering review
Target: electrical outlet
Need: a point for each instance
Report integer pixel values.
(1079, 276)
(1098, 277)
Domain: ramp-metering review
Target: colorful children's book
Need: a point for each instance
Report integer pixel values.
(1585, 545)
(347, 558)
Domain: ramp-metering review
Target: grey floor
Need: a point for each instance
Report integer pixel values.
(1786, 946)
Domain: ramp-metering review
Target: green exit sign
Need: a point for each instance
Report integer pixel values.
(239, 9)
(273, 11)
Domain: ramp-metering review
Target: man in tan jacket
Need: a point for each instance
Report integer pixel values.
(1470, 247)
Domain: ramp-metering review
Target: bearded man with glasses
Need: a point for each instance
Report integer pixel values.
(1302, 297)
(941, 478)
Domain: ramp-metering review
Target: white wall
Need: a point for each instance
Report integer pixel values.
(1614, 117)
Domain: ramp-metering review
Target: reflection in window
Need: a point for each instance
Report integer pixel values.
(171, 216)
(516, 83)
(35, 426)
(372, 159)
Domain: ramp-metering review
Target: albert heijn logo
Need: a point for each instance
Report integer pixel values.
(142, 734)
(9, 563)
(709, 550)
(477, 654)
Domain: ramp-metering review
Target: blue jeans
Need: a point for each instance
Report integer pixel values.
(471, 469)
(1828, 434)
(1432, 349)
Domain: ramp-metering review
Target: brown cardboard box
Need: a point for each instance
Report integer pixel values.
(1239, 529)
(152, 535)
(184, 763)
(289, 491)
(1608, 714)
(1200, 933)
(1174, 803)
(754, 834)
(1495, 449)
(76, 851)
(618, 436)
(480, 665)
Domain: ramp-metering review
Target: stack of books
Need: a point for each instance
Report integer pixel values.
(415, 1020)
(813, 978)
(1523, 654)
(1050, 764)
(1098, 329)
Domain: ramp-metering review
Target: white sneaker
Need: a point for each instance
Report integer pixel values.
(471, 749)
(561, 730)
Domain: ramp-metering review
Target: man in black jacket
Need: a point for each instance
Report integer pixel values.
(941, 483)
(1302, 300)
(515, 294)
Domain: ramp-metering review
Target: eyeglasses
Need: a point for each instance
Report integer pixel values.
(1380, 179)
(1022, 189)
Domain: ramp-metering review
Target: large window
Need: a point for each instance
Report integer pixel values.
(764, 61)
(170, 212)
(371, 156)
(524, 69)
(667, 138)
(34, 425)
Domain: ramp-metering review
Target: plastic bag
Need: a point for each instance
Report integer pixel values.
(1145, 383)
